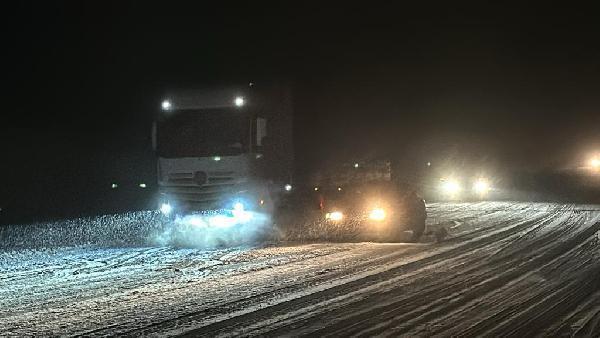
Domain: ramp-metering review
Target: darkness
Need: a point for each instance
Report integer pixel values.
(513, 86)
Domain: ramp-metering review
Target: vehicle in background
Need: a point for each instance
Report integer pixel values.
(363, 199)
(224, 149)
(452, 188)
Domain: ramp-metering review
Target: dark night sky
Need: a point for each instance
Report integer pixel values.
(519, 86)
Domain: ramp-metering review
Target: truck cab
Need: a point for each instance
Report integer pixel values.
(218, 149)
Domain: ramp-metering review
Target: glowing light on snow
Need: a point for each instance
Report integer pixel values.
(166, 209)
(221, 221)
(240, 215)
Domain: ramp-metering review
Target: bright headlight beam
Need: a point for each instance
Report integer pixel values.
(481, 186)
(239, 206)
(595, 163)
(377, 214)
(334, 216)
(166, 209)
(451, 187)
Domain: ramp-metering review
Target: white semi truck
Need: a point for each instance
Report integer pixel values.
(224, 149)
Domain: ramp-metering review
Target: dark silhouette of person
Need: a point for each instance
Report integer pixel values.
(416, 214)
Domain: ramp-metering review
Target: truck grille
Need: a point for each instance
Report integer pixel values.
(188, 192)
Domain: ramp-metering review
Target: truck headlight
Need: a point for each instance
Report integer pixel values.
(239, 213)
(334, 216)
(377, 214)
(166, 209)
(238, 206)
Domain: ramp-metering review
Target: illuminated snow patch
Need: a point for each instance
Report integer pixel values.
(216, 229)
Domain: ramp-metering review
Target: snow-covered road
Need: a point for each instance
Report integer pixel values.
(516, 269)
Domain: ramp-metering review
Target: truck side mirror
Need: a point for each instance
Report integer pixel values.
(261, 130)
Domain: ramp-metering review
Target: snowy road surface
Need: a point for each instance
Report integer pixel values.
(517, 269)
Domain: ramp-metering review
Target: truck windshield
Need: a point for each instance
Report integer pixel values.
(206, 132)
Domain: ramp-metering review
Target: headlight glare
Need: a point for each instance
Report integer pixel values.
(481, 186)
(377, 214)
(334, 216)
(451, 187)
(166, 209)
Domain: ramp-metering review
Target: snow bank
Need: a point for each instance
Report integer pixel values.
(128, 229)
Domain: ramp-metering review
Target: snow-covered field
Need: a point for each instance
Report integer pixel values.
(516, 269)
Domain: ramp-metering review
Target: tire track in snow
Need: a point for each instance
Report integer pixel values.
(282, 308)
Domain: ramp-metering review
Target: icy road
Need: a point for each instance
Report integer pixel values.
(512, 269)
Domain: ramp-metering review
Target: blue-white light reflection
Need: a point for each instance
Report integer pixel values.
(227, 227)
(166, 209)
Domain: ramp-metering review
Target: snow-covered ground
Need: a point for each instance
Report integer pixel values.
(516, 269)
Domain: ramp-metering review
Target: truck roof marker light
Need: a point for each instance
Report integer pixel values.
(239, 101)
(217, 158)
(166, 105)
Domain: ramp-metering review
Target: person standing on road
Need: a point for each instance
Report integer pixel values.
(416, 213)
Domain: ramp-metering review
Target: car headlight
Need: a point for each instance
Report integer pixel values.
(451, 187)
(377, 214)
(334, 216)
(481, 186)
